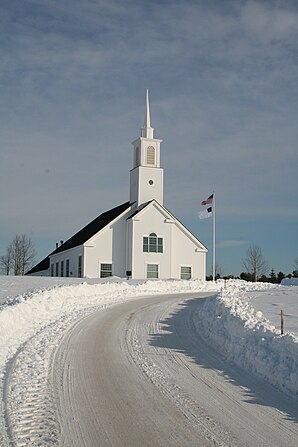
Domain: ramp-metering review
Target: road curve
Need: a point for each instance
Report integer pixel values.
(138, 374)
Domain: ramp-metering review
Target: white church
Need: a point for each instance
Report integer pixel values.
(138, 239)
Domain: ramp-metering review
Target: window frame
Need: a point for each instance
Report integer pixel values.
(153, 243)
(149, 274)
(145, 244)
(80, 264)
(189, 274)
(103, 271)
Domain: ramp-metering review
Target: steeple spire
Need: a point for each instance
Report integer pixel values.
(147, 130)
(147, 114)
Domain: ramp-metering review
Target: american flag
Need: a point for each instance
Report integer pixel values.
(208, 201)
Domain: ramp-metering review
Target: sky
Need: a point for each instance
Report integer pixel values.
(222, 77)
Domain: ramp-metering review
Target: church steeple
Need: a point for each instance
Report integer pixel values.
(146, 177)
(147, 130)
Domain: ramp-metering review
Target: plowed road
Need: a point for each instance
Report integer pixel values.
(138, 374)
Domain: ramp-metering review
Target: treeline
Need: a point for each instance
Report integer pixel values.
(255, 268)
(274, 278)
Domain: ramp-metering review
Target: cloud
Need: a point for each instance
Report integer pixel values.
(231, 243)
(73, 76)
(269, 23)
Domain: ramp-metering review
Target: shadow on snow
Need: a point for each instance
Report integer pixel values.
(257, 390)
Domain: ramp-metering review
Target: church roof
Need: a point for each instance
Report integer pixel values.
(92, 228)
(83, 235)
(42, 265)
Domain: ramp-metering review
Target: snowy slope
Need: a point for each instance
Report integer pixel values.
(33, 323)
(270, 302)
(36, 312)
(249, 340)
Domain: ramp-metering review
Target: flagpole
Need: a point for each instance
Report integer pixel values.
(213, 237)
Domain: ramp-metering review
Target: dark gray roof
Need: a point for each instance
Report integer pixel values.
(42, 265)
(138, 210)
(83, 235)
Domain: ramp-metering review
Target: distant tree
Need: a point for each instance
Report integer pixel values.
(264, 278)
(246, 276)
(6, 261)
(254, 262)
(229, 277)
(295, 271)
(280, 277)
(218, 271)
(19, 257)
(272, 276)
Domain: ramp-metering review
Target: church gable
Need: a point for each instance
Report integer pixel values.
(110, 223)
(166, 218)
(107, 248)
(162, 246)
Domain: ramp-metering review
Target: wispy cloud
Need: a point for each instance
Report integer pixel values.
(231, 243)
(222, 77)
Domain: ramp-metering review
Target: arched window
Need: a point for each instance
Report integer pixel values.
(150, 155)
(152, 244)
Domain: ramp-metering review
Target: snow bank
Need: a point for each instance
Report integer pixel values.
(246, 338)
(33, 322)
(290, 282)
(23, 316)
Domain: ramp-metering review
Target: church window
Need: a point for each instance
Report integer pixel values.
(152, 244)
(67, 268)
(62, 268)
(159, 245)
(152, 271)
(105, 270)
(185, 272)
(80, 266)
(150, 155)
(145, 244)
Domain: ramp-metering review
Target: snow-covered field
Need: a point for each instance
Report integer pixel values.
(249, 339)
(36, 312)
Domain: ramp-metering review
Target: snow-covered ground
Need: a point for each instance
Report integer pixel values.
(244, 336)
(36, 312)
